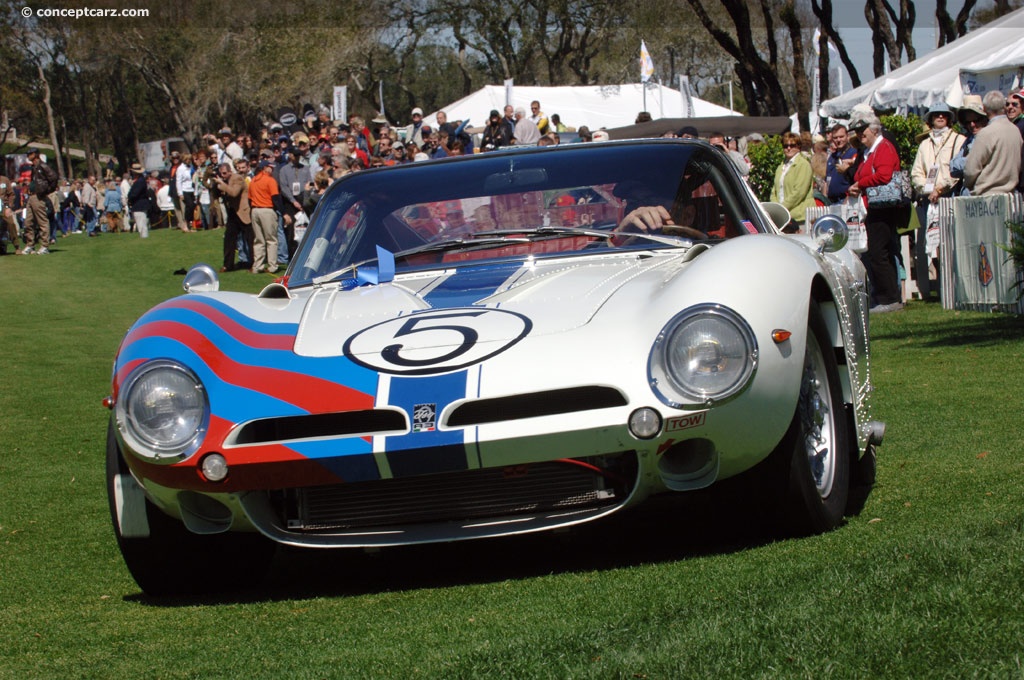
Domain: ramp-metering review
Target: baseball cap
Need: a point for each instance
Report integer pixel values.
(263, 164)
(417, 111)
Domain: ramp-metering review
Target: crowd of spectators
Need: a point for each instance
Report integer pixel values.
(987, 159)
(261, 189)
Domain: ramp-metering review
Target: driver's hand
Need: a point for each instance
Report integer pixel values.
(647, 218)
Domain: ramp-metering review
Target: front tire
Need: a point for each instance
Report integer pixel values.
(172, 561)
(815, 450)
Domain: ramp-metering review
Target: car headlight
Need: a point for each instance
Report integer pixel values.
(163, 411)
(704, 354)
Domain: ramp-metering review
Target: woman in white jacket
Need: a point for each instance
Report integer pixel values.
(931, 181)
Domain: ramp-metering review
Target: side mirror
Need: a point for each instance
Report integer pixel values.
(830, 233)
(201, 278)
(777, 213)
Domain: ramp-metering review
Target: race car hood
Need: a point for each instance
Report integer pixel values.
(552, 295)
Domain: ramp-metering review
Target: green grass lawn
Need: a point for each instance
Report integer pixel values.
(926, 582)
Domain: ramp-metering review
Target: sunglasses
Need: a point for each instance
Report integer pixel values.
(790, 146)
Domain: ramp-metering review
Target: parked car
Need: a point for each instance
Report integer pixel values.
(483, 346)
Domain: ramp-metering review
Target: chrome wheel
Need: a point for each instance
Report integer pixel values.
(817, 416)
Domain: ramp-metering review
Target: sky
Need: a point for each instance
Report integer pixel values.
(848, 17)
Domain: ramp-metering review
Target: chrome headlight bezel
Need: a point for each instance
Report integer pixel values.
(182, 439)
(678, 387)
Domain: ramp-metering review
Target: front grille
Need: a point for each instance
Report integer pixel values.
(459, 496)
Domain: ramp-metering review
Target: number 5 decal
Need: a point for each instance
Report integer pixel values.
(437, 341)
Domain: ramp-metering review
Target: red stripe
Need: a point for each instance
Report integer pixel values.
(306, 392)
(244, 335)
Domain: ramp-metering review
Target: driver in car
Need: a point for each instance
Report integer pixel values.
(647, 212)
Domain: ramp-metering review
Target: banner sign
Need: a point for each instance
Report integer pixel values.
(340, 104)
(1008, 79)
(982, 274)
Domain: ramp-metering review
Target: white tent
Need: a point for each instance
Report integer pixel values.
(990, 57)
(596, 106)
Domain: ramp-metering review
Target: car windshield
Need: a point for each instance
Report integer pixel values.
(538, 202)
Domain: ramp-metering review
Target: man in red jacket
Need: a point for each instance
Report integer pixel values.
(881, 161)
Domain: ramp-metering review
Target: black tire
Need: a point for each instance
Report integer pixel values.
(173, 562)
(862, 481)
(815, 453)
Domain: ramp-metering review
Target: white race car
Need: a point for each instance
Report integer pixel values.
(505, 343)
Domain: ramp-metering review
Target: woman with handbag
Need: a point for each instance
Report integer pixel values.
(880, 184)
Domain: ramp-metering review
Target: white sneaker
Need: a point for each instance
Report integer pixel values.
(43, 251)
(27, 251)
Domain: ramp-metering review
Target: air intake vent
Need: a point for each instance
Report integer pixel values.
(346, 424)
(475, 494)
(550, 403)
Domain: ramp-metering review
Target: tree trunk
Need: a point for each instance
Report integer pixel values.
(877, 13)
(761, 87)
(950, 30)
(50, 122)
(824, 15)
(803, 91)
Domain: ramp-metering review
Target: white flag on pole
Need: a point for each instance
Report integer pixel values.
(646, 64)
(833, 50)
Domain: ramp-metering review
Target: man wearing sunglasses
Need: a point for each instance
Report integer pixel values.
(1015, 112)
(1015, 109)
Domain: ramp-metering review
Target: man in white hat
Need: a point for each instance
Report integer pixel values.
(994, 164)
(414, 131)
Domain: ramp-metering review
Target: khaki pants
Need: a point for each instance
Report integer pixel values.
(37, 225)
(264, 248)
(12, 227)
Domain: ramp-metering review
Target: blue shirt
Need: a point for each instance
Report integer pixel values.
(837, 183)
(112, 200)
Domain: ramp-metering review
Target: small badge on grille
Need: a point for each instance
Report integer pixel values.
(423, 417)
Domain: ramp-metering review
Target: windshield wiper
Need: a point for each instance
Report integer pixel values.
(550, 232)
(555, 232)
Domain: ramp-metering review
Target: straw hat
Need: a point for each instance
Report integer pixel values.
(971, 104)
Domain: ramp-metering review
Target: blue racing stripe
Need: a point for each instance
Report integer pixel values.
(469, 285)
(425, 449)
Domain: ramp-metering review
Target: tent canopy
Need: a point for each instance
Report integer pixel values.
(989, 57)
(596, 106)
(732, 126)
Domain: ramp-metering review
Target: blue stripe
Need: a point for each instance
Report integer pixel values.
(431, 451)
(469, 285)
(229, 311)
(350, 459)
(335, 369)
(230, 402)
